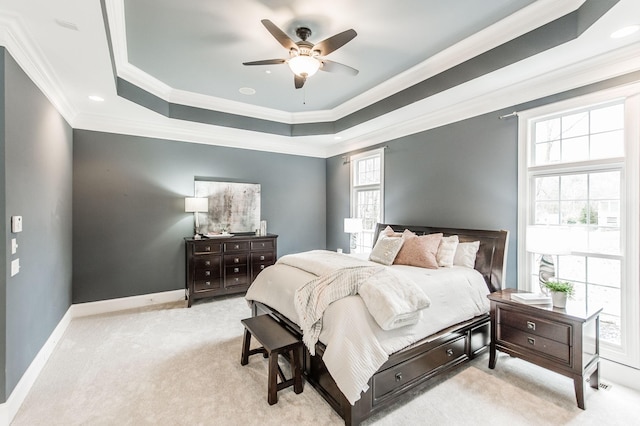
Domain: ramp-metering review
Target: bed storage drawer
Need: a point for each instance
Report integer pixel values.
(401, 375)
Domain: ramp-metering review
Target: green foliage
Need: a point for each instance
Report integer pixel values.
(560, 287)
(593, 216)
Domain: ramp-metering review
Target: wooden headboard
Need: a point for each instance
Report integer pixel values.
(491, 260)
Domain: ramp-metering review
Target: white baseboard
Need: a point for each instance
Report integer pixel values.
(9, 409)
(619, 374)
(113, 305)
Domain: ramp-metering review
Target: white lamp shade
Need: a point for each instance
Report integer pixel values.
(352, 225)
(553, 240)
(195, 205)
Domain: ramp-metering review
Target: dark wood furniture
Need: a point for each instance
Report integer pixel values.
(562, 340)
(225, 265)
(413, 366)
(275, 340)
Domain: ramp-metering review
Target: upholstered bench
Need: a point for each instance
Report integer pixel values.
(275, 340)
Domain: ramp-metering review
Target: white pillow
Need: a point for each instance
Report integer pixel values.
(386, 250)
(447, 251)
(466, 254)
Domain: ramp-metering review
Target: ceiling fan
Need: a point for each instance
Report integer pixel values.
(305, 58)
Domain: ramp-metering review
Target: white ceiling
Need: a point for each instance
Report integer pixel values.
(190, 52)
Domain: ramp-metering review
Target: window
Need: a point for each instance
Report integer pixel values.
(579, 183)
(367, 188)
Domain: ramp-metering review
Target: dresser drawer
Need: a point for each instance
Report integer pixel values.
(535, 325)
(206, 246)
(232, 246)
(263, 257)
(236, 275)
(263, 245)
(535, 343)
(206, 262)
(202, 285)
(238, 259)
(400, 375)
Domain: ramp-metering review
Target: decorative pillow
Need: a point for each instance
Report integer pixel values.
(389, 232)
(386, 249)
(466, 254)
(447, 251)
(419, 250)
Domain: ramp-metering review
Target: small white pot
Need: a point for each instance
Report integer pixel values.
(559, 299)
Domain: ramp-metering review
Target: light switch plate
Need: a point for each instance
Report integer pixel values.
(14, 246)
(16, 224)
(15, 267)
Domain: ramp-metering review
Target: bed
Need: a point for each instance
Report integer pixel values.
(411, 357)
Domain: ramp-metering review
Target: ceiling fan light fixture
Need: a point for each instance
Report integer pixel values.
(303, 65)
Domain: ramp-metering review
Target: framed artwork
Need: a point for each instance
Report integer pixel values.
(233, 207)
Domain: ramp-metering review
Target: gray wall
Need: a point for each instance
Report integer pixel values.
(37, 155)
(128, 207)
(460, 175)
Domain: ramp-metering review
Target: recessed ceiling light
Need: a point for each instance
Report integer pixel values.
(96, 98)
(247, 91)
(625, 31)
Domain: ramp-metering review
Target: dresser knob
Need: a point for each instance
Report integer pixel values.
(237, 247)
(261, 257)
(236, 270)
(207, 263)
(261, 266)
(236, 260)
(531, 325)
(449, 352)
(531, 340)
(207, 273)
(237, 279)
(207, 283)
(398, 377)
(207, 248)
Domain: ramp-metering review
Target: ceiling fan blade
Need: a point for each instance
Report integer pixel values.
(332, 43)
(279, 35)
(266, 62)
(332, 66)
(298, 81)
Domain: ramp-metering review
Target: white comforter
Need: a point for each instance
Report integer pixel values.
(356, 346)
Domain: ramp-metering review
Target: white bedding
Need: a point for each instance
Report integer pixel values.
(356, 346)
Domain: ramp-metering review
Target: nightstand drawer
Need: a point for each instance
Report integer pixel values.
(535, 325)
(536, 343)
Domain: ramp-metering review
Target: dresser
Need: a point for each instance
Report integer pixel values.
(225, 265)
(562, 340)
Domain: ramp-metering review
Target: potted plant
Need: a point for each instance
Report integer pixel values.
(560, 291)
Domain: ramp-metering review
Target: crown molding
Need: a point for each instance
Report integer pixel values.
(16, 39)
(513, 26)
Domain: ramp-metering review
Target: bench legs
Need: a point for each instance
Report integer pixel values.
(295, 357)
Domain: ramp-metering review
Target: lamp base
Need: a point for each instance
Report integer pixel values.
(546, 272)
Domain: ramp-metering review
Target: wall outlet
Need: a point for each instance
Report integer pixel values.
(16, 224)
(15, 267)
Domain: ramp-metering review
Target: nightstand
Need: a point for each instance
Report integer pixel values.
(562, 340)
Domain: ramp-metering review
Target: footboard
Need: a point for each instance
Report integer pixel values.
(408, 369)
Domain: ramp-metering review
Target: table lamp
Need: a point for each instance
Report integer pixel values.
(196, 205)
(352, 226)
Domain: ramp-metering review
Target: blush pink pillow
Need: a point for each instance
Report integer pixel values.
(419, 250)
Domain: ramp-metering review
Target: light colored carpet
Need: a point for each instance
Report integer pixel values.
(169, 365)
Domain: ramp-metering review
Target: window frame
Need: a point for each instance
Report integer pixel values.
(628, 353)
(353, 191)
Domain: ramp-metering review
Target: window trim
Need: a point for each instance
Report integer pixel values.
(629, 352)
(352, 189)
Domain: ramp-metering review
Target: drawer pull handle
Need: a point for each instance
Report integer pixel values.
(261, 266)
(237, 247)
(207, 283)
(398, 377)
(262, 244)
(236, 270)
(531, 325)
(237, 279)
(207, 248)
(207, 273)
(261, 257)
(449, 352)
(236, 260)
(531, 340)
(207, 263)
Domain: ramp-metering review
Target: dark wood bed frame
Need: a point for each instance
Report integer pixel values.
(413, 366)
